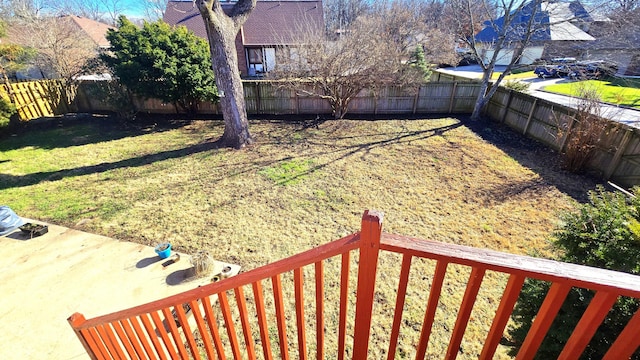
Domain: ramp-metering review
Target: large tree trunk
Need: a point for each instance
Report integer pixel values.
(480, 101)
(222, 31)
(483, 95)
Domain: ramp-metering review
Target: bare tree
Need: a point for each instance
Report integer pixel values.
(100, 10)
(22, 9)
(339, 14)
(365, 57)
(514, 31)
(222, 29)
(154, 9)
(61, 46)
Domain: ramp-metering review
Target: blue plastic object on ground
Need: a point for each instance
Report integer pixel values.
(9, 220)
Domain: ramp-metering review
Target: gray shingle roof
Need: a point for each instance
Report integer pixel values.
(557, 20)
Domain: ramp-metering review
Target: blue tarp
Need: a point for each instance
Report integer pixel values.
(9, 220)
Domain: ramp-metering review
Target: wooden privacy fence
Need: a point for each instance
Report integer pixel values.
(35, 99)
(252, 314)
(617, 154)
(617, 157)
(266, 97)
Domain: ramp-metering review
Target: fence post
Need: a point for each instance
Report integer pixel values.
(618, 155)
(452, 97)
(572, 120)
(368, 264)
(533, 109)
(258, 100)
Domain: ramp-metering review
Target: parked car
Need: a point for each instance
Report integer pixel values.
(579, 70)
(546, 71)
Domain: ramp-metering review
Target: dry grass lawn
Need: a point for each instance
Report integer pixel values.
(300, 185)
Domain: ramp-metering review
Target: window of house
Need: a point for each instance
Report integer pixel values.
(261, 60)
(256, 61)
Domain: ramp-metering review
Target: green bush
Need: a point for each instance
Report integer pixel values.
(516, 85)
(6, 110)
(604, 233)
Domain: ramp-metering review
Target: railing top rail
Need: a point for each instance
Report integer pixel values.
(538, 268)
(322, 252)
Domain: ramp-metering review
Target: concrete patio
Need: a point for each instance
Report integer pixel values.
(46, 279)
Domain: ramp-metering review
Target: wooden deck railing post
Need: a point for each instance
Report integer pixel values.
(367, 267)
(75, 321)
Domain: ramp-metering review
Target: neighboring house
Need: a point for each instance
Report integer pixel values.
(561, 30)
(93, 30)
(272, 24)
(63, 43)
(618, 42)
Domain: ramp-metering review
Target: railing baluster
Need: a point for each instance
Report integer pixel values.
(93, 337)
(153, 336)
(400, 298)
(186, 329)
(161, 329)
(142, 337)
(124, 340)
(319, 275)
(280, 317)
(432, 305)
(344, 300)
(173, 329)
(204, 334)
(110, 340)
(262, 320)
(586, 328)
(469, 299)
(627, 342)
(244, 319)
(509, 298)
(552, 303)
(228, 322)
(126, 325)
(215, 332)
(302, 337)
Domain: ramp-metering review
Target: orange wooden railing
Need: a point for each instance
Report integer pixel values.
(220, 311)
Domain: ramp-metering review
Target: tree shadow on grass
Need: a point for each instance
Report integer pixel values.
(83, 129)
(361, 149)
(12, 181)
(535, 156)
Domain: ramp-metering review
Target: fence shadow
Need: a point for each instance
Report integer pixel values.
(535, 156)
(84, 129)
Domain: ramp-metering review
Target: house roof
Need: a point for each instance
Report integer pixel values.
(270, 23)
(96, 30)
(558, 21)
(91, 30)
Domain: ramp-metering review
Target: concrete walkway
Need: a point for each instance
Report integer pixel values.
(626, 116)
(46, 279)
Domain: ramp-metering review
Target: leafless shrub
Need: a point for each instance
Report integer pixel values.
(585, 131)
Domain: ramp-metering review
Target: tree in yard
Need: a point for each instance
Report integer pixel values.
(369, 54)
(172, 65)
(521, 23)
(63, 48)
(510, 30)
(340, 14)
(222, 29)
(12, 58)
(604, 233)
(419, 62)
